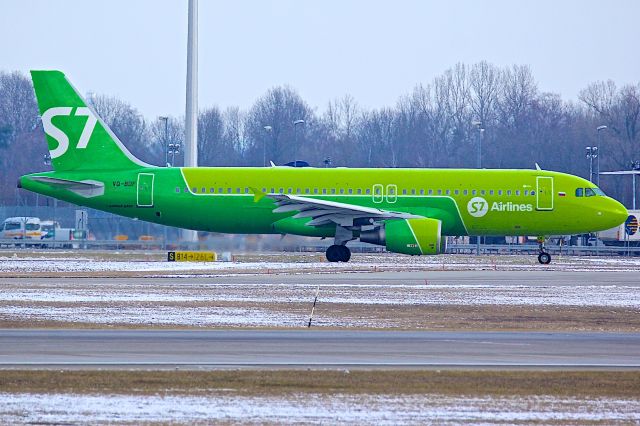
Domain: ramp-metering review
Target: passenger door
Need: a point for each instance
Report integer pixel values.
(145, 190)
(544, 193)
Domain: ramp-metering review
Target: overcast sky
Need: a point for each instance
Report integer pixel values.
(374, 50)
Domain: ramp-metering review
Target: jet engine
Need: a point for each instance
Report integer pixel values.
(407, 236)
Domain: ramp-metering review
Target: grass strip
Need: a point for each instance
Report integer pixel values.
(621, 384)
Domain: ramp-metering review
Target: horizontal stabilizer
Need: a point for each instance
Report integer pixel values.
(84, 188)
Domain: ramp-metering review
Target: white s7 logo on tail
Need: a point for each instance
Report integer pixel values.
(60, 136)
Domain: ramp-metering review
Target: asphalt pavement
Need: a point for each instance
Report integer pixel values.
(27, 348)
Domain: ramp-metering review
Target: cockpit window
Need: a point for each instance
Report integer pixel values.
(579, 192)
(599, 191)
(589, 192)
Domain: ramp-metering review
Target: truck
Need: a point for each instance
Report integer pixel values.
(628, 232)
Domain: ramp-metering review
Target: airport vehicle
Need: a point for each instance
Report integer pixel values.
(626, 233)
(23, 227)
(49, 228)
(407, 210)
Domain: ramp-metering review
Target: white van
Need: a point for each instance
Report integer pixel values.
(21, 228)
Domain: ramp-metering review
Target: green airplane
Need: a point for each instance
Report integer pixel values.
(408, 211)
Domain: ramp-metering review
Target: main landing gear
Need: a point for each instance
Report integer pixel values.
(544, 257)
(338, 253)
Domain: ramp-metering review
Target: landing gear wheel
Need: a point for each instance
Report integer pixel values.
(345, 254)
(544, 258)
(338, 253)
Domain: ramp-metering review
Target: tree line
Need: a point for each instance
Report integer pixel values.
(438, 124)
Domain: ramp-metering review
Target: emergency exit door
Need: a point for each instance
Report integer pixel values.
(145, 190)
(544, 193)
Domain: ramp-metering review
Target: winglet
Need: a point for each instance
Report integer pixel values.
(257, 194)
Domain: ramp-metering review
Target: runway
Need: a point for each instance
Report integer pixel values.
(320, 349)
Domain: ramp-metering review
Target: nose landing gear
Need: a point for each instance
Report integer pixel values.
(544, 257)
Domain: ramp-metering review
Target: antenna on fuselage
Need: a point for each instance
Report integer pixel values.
(538, 167)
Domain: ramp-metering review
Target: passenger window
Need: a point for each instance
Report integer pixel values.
(212, 190)
(341, 191)
(499, 191)
(413, 192)
(439, 191)
(289, 190)
(306, 190)
(508, 192)
(177, 189)
(315, 190)
(324, 190)
(430, 191)
(238, 191)
(194, 190)
(465, 192)
(422, 192)
(246, 190)
(491, 192)
(368, 191)
(483, 192)
(273, 190)
(359, 191)
(517, 192)
(448, 192)
(404, 192)
(588, 192)
(282, 190)
(333, 190)
(229, 190)
(456, 192)
(204, 190)
(350, 191)
(473, 192)
(264, 189)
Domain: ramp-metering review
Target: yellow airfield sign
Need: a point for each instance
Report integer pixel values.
(192, 256)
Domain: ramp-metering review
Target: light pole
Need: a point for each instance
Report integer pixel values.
(295, 136)
(478, 125)
(166, 139)
(174, 148)
(635, 166)
(591, 152)
(269, 131)
(599, 129)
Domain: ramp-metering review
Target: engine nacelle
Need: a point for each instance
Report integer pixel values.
(408, 236)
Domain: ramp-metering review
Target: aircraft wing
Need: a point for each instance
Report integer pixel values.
(324, 212)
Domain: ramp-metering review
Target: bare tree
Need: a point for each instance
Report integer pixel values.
(278, 109)
(18, 108)
(128, 125)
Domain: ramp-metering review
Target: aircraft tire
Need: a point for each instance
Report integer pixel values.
(345, 254)
(333, 253)
(544, 258)
(338, 253)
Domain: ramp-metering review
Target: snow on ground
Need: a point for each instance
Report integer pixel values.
(155, 315)
(368, 294)
(182, 303)
(26, 408)
(301, 262)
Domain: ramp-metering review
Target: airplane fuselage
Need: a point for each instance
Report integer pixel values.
(466, 201)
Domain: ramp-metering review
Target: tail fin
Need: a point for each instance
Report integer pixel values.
(78, 139)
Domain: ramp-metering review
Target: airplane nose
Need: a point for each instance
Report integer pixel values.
(618, 213)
